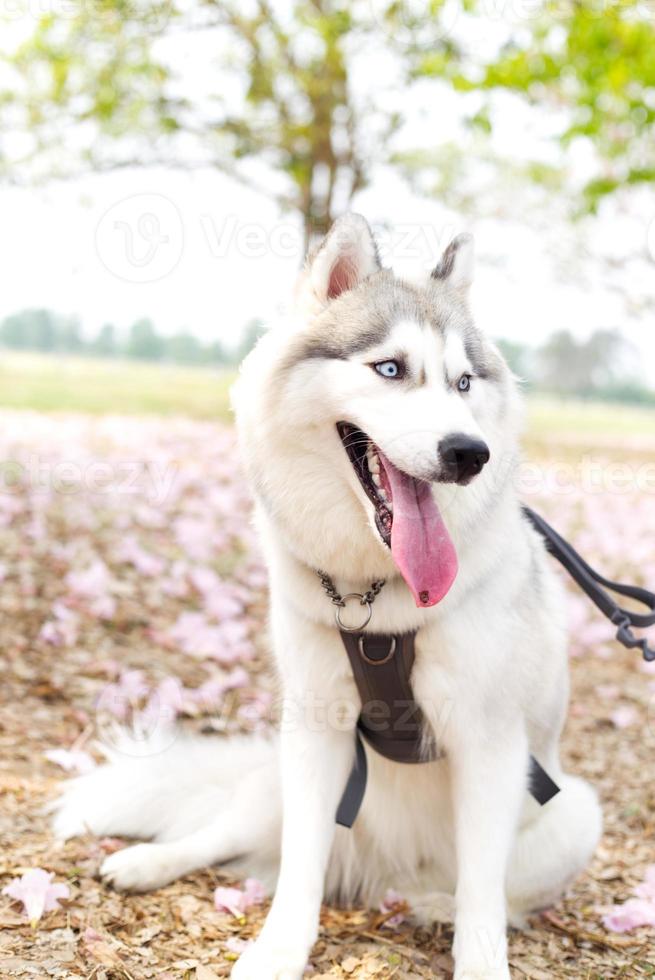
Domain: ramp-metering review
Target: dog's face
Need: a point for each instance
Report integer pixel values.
(396, 392)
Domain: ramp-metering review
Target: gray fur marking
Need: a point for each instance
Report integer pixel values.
(363, 317)
(446, 263)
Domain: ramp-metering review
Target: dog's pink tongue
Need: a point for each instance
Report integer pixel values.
(420, 544)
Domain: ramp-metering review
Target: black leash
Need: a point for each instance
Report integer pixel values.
(592, 583)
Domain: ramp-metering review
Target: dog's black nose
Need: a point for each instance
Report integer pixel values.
(462, 457)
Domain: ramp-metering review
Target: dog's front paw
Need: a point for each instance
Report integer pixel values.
(140, 868)
(267, 960)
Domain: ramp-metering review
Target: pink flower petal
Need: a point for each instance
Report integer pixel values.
(165, 703)
(37, 892)
(236, 901)
(118, 698)
(254, 892)
(624, 716)
(632, 914)
(90, 583)
(391, 901)
(237, 945)
(229, 900)
(143, 561)
(609, 692)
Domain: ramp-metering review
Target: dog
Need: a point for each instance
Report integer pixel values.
(427, 503)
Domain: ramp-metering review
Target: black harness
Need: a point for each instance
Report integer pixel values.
(391, 721)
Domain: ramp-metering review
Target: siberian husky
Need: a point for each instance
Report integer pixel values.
(426, 501)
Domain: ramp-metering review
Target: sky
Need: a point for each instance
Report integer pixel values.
(194, 251)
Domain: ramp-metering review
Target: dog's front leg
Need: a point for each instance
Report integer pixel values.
(315, 762)
(489, 777)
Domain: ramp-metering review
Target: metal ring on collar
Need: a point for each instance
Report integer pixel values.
(377, 663)
(362, 602)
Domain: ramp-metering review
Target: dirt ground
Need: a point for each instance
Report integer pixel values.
(97, 575)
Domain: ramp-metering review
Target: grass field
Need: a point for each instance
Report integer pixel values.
(50, 383)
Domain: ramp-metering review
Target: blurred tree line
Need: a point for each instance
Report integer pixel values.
(49, 332)
(604, 366)
(289, 106)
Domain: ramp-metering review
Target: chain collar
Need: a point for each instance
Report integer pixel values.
(365, 599)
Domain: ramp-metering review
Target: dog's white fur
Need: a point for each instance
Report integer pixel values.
(457, 836)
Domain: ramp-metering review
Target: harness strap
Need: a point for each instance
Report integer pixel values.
(592, 583)
(353, 794)
(391, 721)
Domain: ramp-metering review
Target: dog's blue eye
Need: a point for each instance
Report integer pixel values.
(388, 369)
(464, 383)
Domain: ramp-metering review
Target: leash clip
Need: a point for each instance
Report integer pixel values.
(625, 636)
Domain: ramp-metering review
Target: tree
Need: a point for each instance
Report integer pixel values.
(518, 356)
(282, 95)
(184, 348)
(582, 368)
(290, 110)
(45, 330)
(215, 353)
(593, 65)
(105, 345)
(70, 336)
(144, 343)
(32, 330)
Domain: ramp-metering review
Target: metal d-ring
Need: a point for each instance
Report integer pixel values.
(362, 602)
(377, 663)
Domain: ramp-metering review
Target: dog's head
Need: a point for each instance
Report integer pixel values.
(386, 393)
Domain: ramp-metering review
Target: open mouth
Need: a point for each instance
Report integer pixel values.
(365, 458)
(406, 517)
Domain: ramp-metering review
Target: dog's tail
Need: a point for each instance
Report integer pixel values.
(167, 786)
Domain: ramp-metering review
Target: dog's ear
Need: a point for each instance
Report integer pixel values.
(456, 264)
(346, 256)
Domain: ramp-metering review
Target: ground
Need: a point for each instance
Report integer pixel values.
(132, 590)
